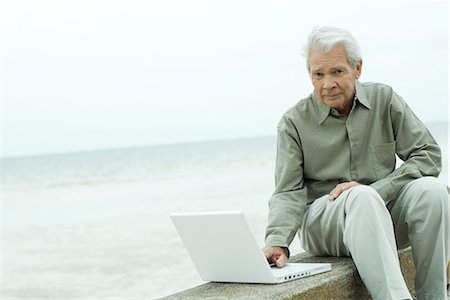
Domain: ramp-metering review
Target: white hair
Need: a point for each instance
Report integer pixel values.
(326, 37)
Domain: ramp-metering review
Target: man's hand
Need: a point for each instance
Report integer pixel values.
(340, 188)
(276, 255)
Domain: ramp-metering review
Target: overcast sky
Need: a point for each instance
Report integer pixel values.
(99, 74)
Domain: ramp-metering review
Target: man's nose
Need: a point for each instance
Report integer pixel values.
(328, 82)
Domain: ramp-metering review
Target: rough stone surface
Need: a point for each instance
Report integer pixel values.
(342, 282)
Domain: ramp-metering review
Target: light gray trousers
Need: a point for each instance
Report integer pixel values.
(360, 225)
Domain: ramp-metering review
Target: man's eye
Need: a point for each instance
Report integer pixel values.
(338, 72)
(318, 74)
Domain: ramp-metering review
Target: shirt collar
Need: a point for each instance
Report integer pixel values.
(361, 95)
(324, 110)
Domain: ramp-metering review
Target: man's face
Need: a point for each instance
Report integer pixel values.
(333, 77)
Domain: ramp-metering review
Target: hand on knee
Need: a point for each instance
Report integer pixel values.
(341, 187)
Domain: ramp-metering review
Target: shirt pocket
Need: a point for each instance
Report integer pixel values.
(383, 158)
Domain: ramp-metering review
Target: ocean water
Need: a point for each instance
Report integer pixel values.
(95, 225)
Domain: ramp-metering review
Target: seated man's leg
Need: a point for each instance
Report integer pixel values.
(357, 224)
(421, 218)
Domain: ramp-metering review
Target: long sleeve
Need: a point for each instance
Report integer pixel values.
(288, 202)
(414, 145)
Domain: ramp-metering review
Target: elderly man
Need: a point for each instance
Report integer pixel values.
(336, 181)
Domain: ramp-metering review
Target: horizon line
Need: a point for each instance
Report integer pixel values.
(120, 148)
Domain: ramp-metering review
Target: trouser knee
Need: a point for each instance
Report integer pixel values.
(364, 197)
(430, 196)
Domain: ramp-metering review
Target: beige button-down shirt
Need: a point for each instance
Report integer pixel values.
(318, 148)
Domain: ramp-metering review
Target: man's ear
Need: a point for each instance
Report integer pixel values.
(359, 68)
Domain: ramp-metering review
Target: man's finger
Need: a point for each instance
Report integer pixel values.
(281, 261)
(332, 195)
(335, 192)
(275, 255)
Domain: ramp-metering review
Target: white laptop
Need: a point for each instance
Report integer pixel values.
(224, 249)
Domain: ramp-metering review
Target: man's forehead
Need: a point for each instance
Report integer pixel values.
(328, 66)
(336, 55)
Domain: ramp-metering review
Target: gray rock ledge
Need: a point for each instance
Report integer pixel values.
(342, 282)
